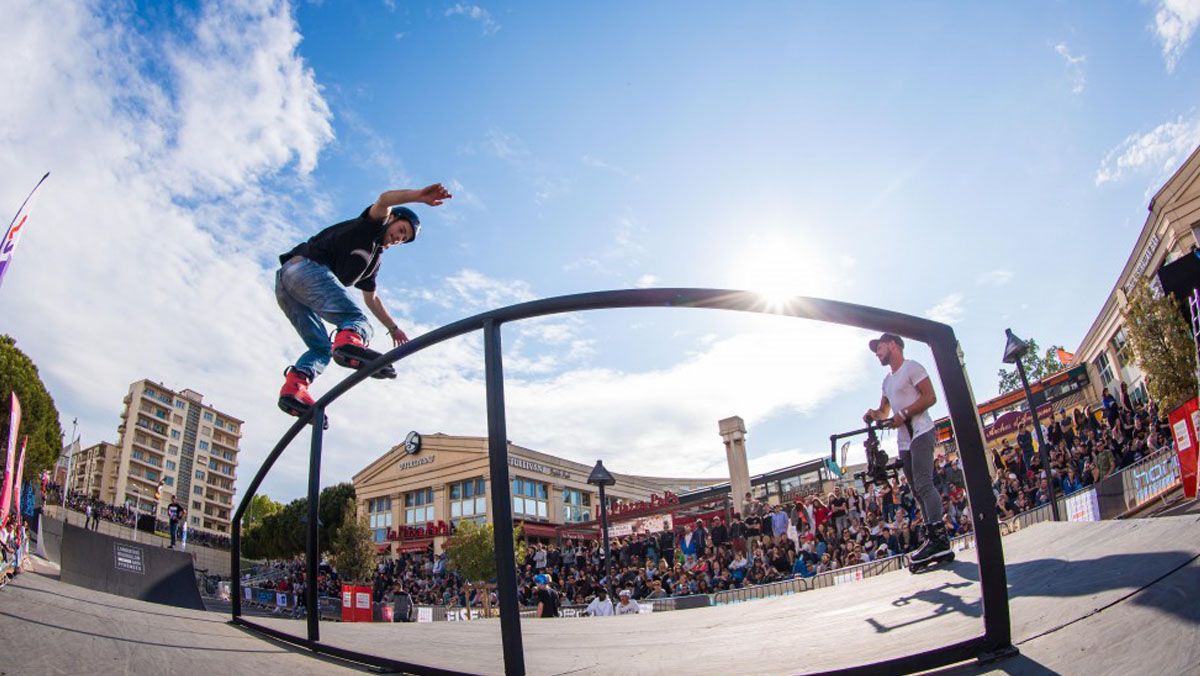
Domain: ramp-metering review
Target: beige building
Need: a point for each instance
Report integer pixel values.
(173, 438)
(416, 492)
(1171, 230)
(94, 471)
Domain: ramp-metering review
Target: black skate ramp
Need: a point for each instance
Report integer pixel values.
(1093, 598)
(127, 568)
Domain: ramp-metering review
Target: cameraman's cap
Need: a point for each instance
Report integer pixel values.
(890, 337)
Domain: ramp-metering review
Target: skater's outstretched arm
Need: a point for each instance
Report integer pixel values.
(374, 303)
(433, 195)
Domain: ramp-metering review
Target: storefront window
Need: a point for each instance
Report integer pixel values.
(380, 511)
(418, 506)
(468, 499)
(1105, 369)
(1120, 344)
(530, 498)
(577, 505)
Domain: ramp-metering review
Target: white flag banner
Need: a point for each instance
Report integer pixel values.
(11, 236)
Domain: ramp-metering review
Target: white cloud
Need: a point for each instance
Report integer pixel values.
(475, 13)
(997, 277)
(1159, 151)
(1074, 67)
(663, 421)
(948, 310)
(647, 280)
(149, 253)
(1175, 23)
(623, 252)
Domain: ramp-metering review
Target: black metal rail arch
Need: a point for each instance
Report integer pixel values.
(995, 642)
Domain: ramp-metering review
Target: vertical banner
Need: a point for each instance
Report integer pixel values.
(13, 234)
(1183, 428)
(17, 481)
(14, 423)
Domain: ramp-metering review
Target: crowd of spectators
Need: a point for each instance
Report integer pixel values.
(95, 510)
(803, 536)
(1084, 448)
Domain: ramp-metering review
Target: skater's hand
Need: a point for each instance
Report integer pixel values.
(433, 195)
(869, 416)
(398, 337)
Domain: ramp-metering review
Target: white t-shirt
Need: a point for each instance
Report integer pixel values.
(630, 608)
(900, 388)
(598, 608)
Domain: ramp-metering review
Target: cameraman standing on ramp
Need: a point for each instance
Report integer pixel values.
(907, 396)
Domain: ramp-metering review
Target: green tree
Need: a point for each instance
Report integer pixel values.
(1038, 365)
(284, 534)
(1162, 344)
(261, 506)
(39, 416)
(472, 552)
(353, 548)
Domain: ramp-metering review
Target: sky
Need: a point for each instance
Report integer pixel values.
(984, 165)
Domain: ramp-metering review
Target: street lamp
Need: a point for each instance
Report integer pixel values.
(601, 477)
(1014, 350)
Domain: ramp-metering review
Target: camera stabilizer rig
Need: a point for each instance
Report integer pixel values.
(879, 469)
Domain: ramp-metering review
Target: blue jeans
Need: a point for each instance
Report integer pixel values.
(308, 292)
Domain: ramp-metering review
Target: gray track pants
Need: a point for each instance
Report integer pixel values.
(918, 469)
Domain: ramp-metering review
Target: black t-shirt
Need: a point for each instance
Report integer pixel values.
(351, 249)
(174, 510)
(838, 506)
(549, 600)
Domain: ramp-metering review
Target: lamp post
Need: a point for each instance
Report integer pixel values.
(601, 477)
(1014, 350)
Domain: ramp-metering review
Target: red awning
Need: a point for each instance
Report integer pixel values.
(415, 545)
(383, 549)
(539, 530)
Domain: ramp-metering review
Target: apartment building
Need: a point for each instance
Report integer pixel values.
(173, 444)
(94, 471)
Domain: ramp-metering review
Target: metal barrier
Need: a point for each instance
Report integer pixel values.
(996, 640)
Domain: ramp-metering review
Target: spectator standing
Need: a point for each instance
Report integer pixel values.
(547, 598)
(627, 605)
(175, 514)
(600, 606)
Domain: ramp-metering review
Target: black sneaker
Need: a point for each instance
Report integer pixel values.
(936, 544)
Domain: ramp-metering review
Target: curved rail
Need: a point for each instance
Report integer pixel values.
(996, 639)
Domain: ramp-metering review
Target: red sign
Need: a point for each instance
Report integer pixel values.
(1183, 427)
(429, 530)
(630, 508)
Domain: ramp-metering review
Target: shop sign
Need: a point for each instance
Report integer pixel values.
(416, 462)
(429, 530)
(628, 508)
(522, 463)
(1143, 262)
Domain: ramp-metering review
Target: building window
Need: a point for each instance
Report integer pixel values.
(227, 455)
(173, 450)
(577, 505)
(530, 498)
(137, 455)
(169, 480)
(1120, 344)
(177, 419)
(179, 404)
(151, 474)
(196, 520)
(1105, 369)
(208, 416)
(203, 445)
(198, 490)
(468, 500)
(200, 474)
(174, 434)
(418, 506)
(380, 511)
